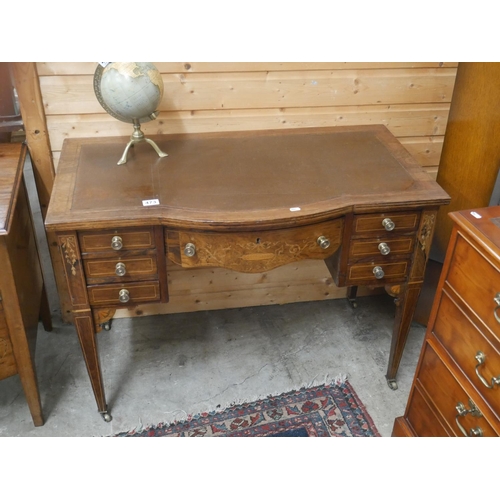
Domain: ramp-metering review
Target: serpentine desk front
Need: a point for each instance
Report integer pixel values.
(246, 201)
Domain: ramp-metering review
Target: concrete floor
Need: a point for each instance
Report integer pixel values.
(164, 368)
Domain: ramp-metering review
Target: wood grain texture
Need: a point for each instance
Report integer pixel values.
(470, 159)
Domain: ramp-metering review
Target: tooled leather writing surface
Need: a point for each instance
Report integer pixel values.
(238, 173)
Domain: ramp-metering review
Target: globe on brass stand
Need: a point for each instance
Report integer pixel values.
(130, 92)
(138, 136)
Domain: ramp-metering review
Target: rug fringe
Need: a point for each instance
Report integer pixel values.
(339, 379)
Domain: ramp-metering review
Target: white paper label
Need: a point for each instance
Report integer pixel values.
(295, 209)
(148, 203)
(476, 215)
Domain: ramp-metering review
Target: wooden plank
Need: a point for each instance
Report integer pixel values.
(201, 91)
(88, 68)
(211, 289)
(37, 137)
(426, 150)
(405, 120)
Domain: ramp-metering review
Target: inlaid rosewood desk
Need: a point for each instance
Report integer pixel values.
(247, 201)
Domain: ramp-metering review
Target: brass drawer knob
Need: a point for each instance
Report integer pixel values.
(120, 269)
(124, 295)
(323, 242)
(473, 410)
(378, 272)
(384, 248)
(116, 243)
(388, 224)
(481, 359)
(189, 250)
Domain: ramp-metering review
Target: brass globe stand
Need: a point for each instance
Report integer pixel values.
(138, 136)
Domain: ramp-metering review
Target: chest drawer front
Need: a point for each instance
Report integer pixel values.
(365, 225)
(446, 393)
(463, 341)
(477, 281)
(8, 365)
(116, 240)
(124, 294)
(254, 251)
(121, 269)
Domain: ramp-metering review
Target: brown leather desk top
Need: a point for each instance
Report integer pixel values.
(238, 179)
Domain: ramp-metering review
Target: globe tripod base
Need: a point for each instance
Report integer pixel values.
(138, 136)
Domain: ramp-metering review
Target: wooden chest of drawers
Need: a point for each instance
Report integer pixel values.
(22, 292)
(456, 390)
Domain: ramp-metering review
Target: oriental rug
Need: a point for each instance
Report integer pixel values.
(323, 411)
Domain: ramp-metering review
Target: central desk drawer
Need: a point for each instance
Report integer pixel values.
(124, 294)
(254, 251)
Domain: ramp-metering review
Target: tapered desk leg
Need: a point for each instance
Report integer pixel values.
(406, 303)
(84, 325)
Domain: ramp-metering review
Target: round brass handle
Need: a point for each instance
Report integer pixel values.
(462, 411)
(378, 272)
(384, 248)
(189, 250)
(120, 269)
(481, 359)
(116, 243)
(323, 242)
(124, 295)
(388, 224)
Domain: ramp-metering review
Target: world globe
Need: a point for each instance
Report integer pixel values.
(130, 92)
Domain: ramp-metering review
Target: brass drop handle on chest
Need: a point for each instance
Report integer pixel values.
(120, 269)
(189, 250)
(124, 295)
(388, 224)
(384, 248)
(116, 243)
(481, 359)
(378, 272)
(462, 412)
(323, 242)
(496, 299)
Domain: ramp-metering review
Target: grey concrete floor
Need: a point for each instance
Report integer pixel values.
(164, 368)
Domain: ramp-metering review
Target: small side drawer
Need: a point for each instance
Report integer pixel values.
(8, 366)
(124, 294)
(366, 273)
(376, 247)
(464, 341)
(445, 393)
(121, 269)
(476, 281)
(369, 224)
(125, 239)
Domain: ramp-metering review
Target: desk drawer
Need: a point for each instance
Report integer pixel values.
(121, 269)
(254, 251)
(463, 341)
(124, 294)
(367, 272)
(116, 240)
(376, 247)
(445, 393)
(477, 281)
(369, 224)
(8, 364)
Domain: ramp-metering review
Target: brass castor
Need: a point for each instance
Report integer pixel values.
(107, 325)
(106, 416)
(392, 384)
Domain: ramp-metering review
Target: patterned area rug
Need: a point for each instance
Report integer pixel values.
(323, 411)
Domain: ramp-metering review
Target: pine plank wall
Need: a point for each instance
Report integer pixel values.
(411, 99)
